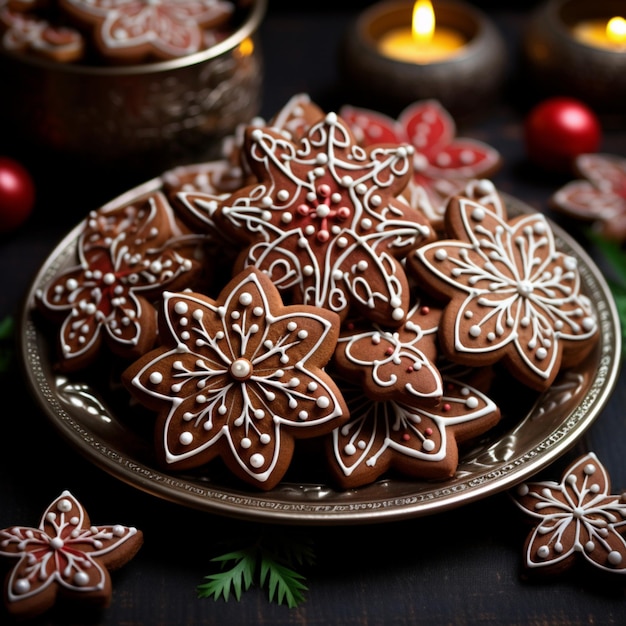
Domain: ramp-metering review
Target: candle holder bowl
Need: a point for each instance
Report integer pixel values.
(559, 64)
(465, 84)
(145, 117)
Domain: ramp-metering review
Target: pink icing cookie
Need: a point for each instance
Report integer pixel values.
(126, 257)
(600, 195)
(66, 555)
(132, 31)
(404, 436)
(239, 377)
(512, 296)
(443, 163)
(395, 364)
(575, 519)
(324, 221)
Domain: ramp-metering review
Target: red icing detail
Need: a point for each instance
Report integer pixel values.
(446, 407)
(428, 432)
(389, 350)
(425, 310)
(406, 437)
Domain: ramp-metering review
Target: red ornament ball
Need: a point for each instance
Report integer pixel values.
(17, 194)
(557, 130)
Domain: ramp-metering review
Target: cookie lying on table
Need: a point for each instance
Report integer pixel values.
(66, 555)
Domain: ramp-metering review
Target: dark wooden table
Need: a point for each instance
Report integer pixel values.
(458, 567)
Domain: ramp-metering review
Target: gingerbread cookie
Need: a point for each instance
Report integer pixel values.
(66, 555)
(405, 437)
(26, 33)
(576, 518)
(133, 31)
(512, 296)
(394, 364)
(443, 163)
(239, 377)
(600, 195)
(126, 257)
(325, 221)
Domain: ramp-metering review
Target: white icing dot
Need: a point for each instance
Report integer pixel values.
(246, 443)
(81, 579)
(366, 223)
(543, 552)
(186, 438)
(257, 460)
(472, 402)
(590, 546)
(349, 449)
(429, 445)
(22, 586)
(441, 254)
(56, 543)
(523, 490)
(303, 415)
(397, 314)
(258, 311)
(478, 214)
(614, 558)
(541, 354)
(64, 505)
(474, 331)
(181, 308)
(323, 402)
(156, 378)
(245, 298)
(241, 369)
(589, 469)
(265, 438)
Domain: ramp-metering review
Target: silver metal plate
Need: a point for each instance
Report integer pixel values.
(97, 419)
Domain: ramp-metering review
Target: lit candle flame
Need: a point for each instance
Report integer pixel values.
(423, 21)
(616, 30)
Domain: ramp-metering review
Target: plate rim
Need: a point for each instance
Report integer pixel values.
(257, 506)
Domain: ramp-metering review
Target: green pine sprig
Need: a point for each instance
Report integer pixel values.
(7, 332)
(615, 255)
(270, 561)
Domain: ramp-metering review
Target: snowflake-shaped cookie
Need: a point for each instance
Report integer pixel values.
(240, 377)
(65, 555)
(443, 163)
(513, 296)
(577, 516)
(396, 364)
(22, 32)
(127, 256)
(134, 30)
(417, 441)
(600, 195)
(324, 222)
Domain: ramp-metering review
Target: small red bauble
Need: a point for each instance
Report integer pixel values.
(17, 194)
(557, 130)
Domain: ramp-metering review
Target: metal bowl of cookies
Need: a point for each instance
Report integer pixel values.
(141, 85)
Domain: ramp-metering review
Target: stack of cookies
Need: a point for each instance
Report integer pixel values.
(293, 290)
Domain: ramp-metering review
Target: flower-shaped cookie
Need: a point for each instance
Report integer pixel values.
(406, 437)
(513, 296)
(443, 163)
(134, 30)
(126, 257)
(240, 377)
(577, 516)
(21, 32)
(395, 364)
(324, 222)
(600, 195)
(66, 555)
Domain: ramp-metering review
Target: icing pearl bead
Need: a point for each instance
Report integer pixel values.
(186, 438)
(543, 552)
(81, 579)
(64, 505)
(246, 443)
(245, 299)
(181, 308)
(257, 460)
(265, 438)
(56, 543)
(429, 445)
(156, 378)
(241, 369)
(22, 586)
(614, 558)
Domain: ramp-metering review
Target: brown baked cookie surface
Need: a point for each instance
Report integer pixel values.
(576, 518)
(239, 377)
(511, 295)
(66, 555)
(325, 220)
(126, 257)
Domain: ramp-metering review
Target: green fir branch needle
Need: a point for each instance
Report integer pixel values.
(269, 561)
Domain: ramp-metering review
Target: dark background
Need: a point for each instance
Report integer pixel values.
(460, 567)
